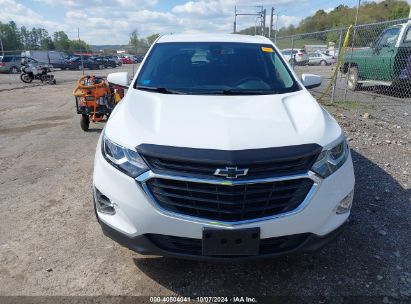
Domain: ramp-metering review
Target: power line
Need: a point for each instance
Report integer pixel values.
(260, 16)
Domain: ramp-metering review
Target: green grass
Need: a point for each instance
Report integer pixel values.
(298, 43)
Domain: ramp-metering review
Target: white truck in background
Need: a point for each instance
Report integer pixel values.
(46, 57)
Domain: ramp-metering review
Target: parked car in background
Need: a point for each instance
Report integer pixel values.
(10, 64)
(296, 56)
(61, 65)
(318, 58)
(76, 63)
(386, 62)
(107, 62)
(137, 58)
(115, 58)
(126, 60)
(110, 62)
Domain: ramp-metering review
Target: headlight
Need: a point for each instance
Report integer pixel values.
(125, 160)
(330, 160)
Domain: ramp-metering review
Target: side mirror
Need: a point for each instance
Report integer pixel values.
(311, 81)
(121, 79)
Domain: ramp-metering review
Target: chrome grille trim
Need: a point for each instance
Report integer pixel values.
(143, 178)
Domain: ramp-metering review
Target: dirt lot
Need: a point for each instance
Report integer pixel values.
(51, 244)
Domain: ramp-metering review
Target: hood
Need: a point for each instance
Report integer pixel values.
(220, 122)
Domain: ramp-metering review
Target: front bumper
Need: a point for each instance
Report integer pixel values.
(137, 217)
(145, 245)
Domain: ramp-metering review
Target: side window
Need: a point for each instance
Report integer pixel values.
(389, 37)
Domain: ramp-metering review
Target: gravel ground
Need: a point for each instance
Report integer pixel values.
(51, 244)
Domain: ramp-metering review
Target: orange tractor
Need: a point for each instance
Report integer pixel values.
(95, 99)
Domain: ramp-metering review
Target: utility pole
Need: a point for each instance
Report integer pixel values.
(1, 44)
(271, 22)
(263, 16)
(260, 17)
(81, 52)
(276, 29)
(235, 19)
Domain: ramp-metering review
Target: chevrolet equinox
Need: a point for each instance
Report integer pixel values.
(218, 151)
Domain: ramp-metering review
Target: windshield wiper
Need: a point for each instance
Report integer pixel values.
(159, 90)
(248, 92)
(234, 92)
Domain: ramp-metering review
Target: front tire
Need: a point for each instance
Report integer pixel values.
(85, 123)
(353, 78)
(26, 78)
(323, 63)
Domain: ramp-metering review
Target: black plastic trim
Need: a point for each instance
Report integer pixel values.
(143, 245)
(229, 157)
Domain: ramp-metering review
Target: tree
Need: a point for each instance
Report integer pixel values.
(150, 39)
(343, 16)
(15, 39)
(134, 41)
(61, 41)
(10, 36)
(79, 46)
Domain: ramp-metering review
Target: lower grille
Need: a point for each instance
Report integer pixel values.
(229, 202)
(192, 246)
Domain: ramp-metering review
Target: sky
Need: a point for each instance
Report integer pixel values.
(111, 21)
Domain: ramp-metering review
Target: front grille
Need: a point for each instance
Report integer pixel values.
(192, 246)
(256, 170)
(229, 202)
(261, 163)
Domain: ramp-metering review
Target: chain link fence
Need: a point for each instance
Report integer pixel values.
(372, 69)
(366, 66)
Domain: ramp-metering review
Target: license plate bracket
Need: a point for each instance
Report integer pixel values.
(237, 242)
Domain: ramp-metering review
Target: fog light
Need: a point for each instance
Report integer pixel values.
(103, 203)
(345, 205)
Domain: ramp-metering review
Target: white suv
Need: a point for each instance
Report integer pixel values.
(218, 151)
(296, 56)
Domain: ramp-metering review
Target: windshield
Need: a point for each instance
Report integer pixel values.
(215, 68)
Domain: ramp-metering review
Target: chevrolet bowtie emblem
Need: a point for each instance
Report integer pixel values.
(231, 172)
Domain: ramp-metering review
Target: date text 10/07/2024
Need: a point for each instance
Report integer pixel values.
(172, 299)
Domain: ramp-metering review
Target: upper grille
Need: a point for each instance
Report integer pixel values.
(229, 202)
(261, 163)
(275, 168)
